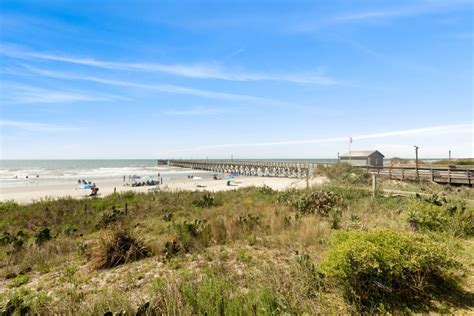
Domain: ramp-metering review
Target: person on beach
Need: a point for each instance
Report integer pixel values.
(94, 190)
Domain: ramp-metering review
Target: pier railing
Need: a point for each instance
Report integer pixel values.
(441, 174)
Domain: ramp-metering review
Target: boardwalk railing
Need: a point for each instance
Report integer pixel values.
(448, 175)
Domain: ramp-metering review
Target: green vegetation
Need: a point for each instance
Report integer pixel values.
(382, 270)
(458, 162)
(326, 250)
(344, 173)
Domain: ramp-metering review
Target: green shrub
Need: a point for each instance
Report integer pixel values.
(42, 236)
(193, 234)
(441, 216)
(311, 202)
(19, 280)
(110, 217)
(14, 242)
(265, 190)
(248, 221)
(207, 200)
(25, 302)
(381, 270)
(344, 173)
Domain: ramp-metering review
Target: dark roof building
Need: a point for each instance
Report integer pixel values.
(371, 158)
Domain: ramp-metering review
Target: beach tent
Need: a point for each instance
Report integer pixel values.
(229, 175)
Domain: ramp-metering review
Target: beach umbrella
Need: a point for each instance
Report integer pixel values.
(147, 178)
(87, 186)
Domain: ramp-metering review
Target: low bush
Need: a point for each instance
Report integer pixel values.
(42, 236)
(265, 190)
(193, 234)
(117, 247)
(20, 280)
(344, 173)
(248, 221)
(311, 202)
(110, 217)
(384, 270)
(25, 302)
(207, 200)
(14, 242)
(441, 215)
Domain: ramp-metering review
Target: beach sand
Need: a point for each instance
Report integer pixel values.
(30, 193)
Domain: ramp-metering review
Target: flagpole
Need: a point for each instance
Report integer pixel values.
(350, 153)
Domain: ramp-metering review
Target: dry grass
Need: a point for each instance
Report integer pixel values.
(246, 251)
(116, 247)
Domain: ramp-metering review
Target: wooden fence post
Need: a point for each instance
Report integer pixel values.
(374, 184)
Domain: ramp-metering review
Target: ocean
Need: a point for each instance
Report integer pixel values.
(30, 172)
(21, 173)
(36, 172)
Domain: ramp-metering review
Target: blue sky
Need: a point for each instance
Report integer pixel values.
(256, 79)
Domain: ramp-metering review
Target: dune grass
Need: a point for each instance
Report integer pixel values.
(252, 251)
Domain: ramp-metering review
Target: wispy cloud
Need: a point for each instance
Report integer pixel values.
(383, 13)
(24, 94)
(190, 71)
(416, 9)
(438, 130)
(34, 126)
(200, 111)
(167, 88)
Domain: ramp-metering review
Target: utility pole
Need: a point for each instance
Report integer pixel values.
(449, 155)
(232, 157)
(416, 162)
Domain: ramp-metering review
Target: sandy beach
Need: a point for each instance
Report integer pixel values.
(30, 193)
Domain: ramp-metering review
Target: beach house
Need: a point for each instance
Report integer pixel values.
(370, 158)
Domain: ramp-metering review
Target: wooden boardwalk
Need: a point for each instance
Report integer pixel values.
(446, 175)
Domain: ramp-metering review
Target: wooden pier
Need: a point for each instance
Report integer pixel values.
(301, 170)
(247, 167)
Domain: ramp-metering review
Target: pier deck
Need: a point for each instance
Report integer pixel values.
(441, 174)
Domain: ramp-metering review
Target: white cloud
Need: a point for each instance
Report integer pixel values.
(199, 111)
(168, 88)
(416, 9)
(25, 94)
(34, 126)
(190, 71)
(384, 13)
(434, 130)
